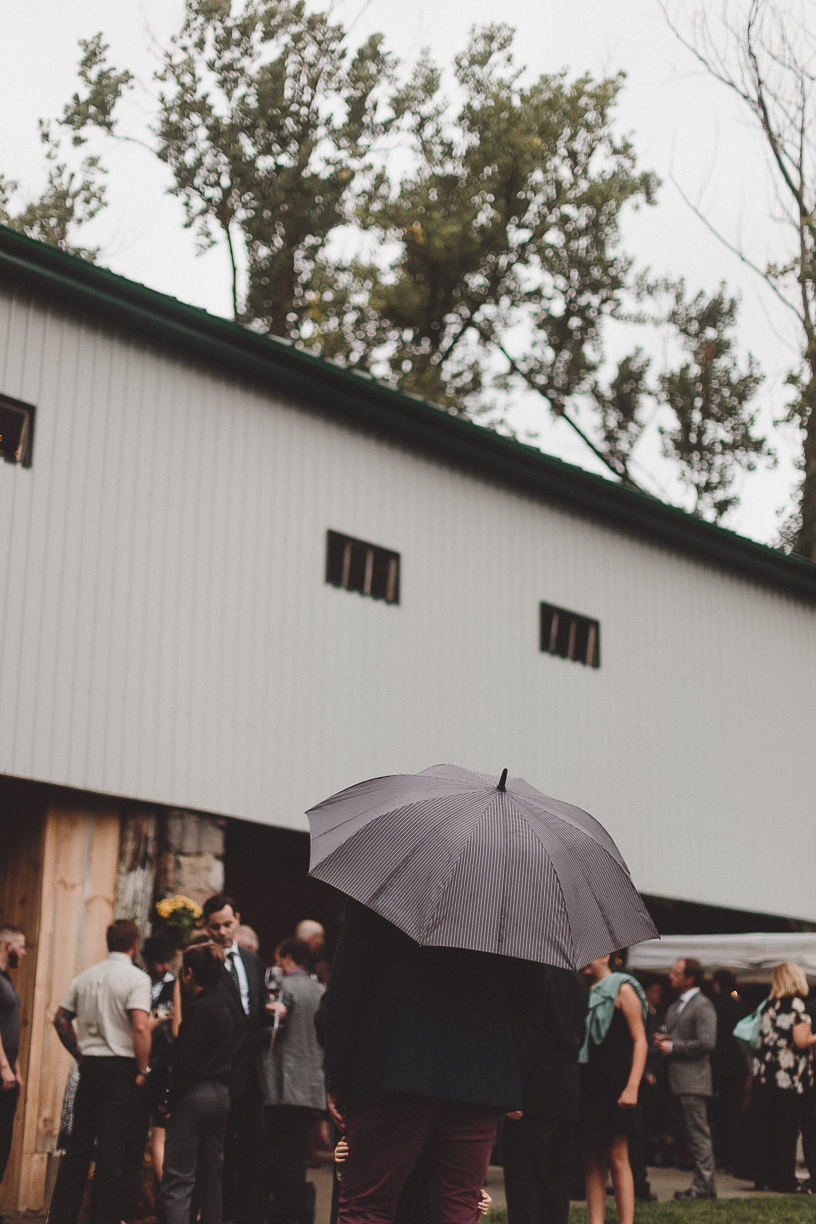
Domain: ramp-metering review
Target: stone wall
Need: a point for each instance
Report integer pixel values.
(164, 853)
(136, 872)
(191, 857)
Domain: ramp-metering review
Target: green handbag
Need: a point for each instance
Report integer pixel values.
(746, 1030)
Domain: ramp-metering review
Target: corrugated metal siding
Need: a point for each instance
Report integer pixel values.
(167, 634)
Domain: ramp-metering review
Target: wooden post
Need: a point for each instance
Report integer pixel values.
(77, 861)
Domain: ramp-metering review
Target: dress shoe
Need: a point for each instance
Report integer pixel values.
(648, 1197)
(694, 1193)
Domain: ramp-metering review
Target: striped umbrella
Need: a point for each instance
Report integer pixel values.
(467, 860)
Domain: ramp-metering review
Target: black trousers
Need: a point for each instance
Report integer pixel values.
(112, 1113)
(8, 1106)
(537, 1166)
(807, 1120)
(244, 1158)
(194, 1153)
(637, 1153)
(726, 1119)
(775, 1117)
(287, 1142)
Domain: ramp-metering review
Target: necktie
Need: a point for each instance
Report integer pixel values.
(232, 971)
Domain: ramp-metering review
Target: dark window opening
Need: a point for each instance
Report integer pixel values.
(358, 566)
(570, 636)
(16, 430)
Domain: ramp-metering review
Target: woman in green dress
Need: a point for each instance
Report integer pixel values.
(612, 1058)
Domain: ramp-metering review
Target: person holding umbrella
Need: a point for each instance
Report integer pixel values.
(613, 1059)
(453, 877)
(418, 1054)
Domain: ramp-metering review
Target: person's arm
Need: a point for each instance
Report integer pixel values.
(705, 1035)
(175, 1023)
(64, 1024)
(140, 1024)
(630, 1006)
(353, 978)
(803, 1037)
(8, 1074)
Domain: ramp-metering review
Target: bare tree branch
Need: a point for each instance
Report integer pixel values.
(749, 263)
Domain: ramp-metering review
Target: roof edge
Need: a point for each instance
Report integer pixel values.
(413, 422)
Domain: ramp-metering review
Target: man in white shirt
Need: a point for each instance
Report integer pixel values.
(692, 1035)
(111, 1004)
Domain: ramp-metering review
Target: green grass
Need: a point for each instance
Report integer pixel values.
(779, 1209)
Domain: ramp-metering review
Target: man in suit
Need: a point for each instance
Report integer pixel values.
(419, 1058)
(539, 1147)
(242, 985)
(294, 1087)
(692, 1036)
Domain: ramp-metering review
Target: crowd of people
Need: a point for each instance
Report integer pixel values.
(417, 1054)
(216, 1074)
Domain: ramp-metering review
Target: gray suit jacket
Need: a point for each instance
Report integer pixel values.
(293, 1069)
(694, 1035)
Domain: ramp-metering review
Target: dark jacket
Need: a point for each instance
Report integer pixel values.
(205, 1044)
(728, 1060)
(548, 1031)
(247, 1071)
(655, 1061)
(430, 1021)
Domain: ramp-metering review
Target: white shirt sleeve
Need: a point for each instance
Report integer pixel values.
(69, 999)
(140, 995)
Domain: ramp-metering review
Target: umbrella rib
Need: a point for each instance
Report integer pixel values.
(381, 887)
(445, 788)
(524, 812)
(434, 922)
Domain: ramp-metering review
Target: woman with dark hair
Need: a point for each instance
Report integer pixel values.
(612, 1058)
(200, 1063)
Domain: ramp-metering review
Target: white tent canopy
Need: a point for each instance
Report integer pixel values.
(750, 957)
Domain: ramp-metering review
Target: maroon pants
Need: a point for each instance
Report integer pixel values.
(385, 1141)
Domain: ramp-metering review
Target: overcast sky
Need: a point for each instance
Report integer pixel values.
(684, 126)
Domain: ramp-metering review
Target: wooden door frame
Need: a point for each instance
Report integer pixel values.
(59, 885)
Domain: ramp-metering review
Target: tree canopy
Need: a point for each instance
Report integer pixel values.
(483, 208)
(764, 53)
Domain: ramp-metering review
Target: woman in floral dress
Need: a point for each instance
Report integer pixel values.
(781, 1072)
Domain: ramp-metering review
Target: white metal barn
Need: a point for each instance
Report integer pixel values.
(185, 511)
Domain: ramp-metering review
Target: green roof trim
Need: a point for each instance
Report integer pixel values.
(362, 401)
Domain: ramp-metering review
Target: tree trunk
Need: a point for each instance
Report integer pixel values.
(806, 539)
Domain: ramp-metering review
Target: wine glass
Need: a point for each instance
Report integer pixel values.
(274, 982)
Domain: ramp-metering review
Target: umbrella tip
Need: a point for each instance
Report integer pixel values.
(502, 781)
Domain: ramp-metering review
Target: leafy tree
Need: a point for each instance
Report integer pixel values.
(507, 228)
(712, 433)
(265, 122)
(765, 54)
(72, 197)
(494, 253)
(507, 219)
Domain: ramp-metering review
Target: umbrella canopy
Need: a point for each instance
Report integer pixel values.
(468, 860)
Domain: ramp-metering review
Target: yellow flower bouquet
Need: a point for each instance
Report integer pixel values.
(177, 917)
